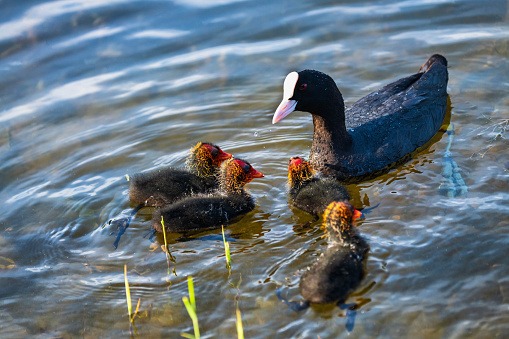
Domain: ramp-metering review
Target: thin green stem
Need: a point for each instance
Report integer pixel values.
(127, 293)
(166, 246)
(227, 252)
(190, 304)
(191, 291)
(240, 329)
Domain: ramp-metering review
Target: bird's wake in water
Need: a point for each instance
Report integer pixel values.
(452, 184)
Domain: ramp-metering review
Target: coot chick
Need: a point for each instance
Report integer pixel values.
(165, 186)
(339, 270)
(376, 133)
(310, 193)
(203, 211)
(168, 185)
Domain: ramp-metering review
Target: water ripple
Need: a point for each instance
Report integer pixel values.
(70, 91)
(450, 36)
(39, 14)
(233, 49)
(159, 34)
(92, 90)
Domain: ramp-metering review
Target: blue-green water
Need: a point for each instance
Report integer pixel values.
(93, 90)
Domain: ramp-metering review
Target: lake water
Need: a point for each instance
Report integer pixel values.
(94, 90)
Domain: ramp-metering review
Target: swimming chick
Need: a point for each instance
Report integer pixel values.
(205, 211)
(311, 193)
(168, 185)
(340, 269)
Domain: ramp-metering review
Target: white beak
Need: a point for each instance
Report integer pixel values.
(287, 106)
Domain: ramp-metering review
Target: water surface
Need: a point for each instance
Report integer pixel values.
(94, 90)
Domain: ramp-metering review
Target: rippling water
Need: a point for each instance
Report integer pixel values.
(94, 90)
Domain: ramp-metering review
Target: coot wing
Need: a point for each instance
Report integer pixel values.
(371, 106)
(404, 94)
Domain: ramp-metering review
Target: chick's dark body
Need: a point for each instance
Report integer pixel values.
(168, 185)
(336, 273)
(316, 194)
(203, 212)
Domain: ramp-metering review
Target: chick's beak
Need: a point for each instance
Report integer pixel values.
(255, 174)
(224, 156)
(356, 214)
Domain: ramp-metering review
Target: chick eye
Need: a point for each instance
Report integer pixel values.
(214, 152)
(246, 168)
(303, 86)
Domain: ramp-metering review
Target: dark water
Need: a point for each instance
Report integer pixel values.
(93, 90)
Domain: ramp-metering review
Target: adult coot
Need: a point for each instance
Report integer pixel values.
(378, 131)
(340, 269)
(212, 210)
(168, 185)
(310, 193)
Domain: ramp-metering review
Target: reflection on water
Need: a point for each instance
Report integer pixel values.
(94, 90)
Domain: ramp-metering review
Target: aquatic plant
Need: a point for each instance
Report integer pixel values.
(227, 252)
(165, 249)
(129, 307)
(240, 329)
(164, 234)
(127, 293)
(190, 304)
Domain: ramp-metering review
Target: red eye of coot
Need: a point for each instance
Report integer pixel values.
(303, 86)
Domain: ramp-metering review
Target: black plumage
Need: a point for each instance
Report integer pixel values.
(310, 193)
(168, 185)
(340, 269)
(375, 133)
(212, 210)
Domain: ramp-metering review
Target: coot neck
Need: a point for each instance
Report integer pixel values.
(231, 185)
(330, 136)
(202, 168)
(347, 236)
(297, 177)
(340, 231)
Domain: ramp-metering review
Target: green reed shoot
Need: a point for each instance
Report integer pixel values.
(129, 307)
(166, 246)
(240, 329)
(137, 308)
(164, 234)
(227, 252)
(127, 293)
(190, 304)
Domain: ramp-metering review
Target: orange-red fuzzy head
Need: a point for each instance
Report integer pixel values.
(206, 158)
(299, 171)
(339, 216)
(235, 173)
